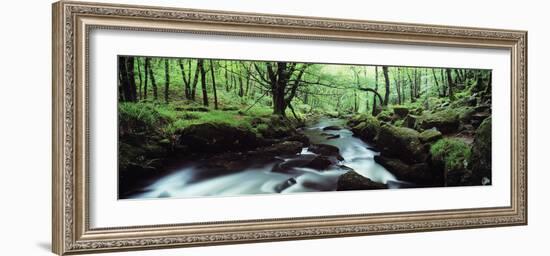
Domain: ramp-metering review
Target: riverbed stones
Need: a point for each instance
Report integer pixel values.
(326, 150)
(285, 148)
(225, 163)
(332, 128)
(319, 163)
(355, 181)
(289, 165)
(285, 184)
(332, 137)
(418, 173)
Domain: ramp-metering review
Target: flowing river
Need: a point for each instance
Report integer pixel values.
(262, 179)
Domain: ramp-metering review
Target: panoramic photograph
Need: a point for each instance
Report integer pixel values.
(191, 127)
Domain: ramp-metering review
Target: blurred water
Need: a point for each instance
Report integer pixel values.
(262, 180)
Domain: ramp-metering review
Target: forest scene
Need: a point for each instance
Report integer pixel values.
(191, 127)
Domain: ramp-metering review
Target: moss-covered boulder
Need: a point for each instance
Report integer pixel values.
(355, 181)
(480, 159)
(137, 163)
(465, 114)
(386, 116)
(418, 173)
(213, 137)
(399, 123)
(326, 150)
(452, 156)
(446, 121)
(410, 121)
(333, 114)
(479, 117)
(274, 127)
(285, 148)
(401, 111)
(430, 135)
(367, 129)
(401, 142)
(289, 165)
(434, 103)
(416, 111)
(319, 163)
(357, 119)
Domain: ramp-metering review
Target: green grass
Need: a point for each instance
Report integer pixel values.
(453, 152)
(232, 118)
(144, 115)
(169, 118)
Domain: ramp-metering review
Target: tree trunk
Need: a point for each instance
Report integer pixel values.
(398, 86)
(375, 94)
(444, 85)
(185, 85)
(241, 87)
(128, 82)
(450, 83)
(247, 88)
(355, 103)
(132, 78)
(387, 81)
(366, 94)
(279, 81)
(436, 83)
(459, 76)
(226, 76)
(232, 85)
(419, 87)
(200, 64)
(122, 82)
(402, 85)
(374, 112)
(166, 80)
(355, 106)
(214, 85)
(195, 81)
(140, 95)
(411, 86)
(145, 71)
(153, 82)
(416, 83)
(489, 84)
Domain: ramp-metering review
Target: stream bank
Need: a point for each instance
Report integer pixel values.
(320, 156)
(398, 148)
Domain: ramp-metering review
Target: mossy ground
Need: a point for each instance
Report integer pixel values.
(167, 119)
(454, 153)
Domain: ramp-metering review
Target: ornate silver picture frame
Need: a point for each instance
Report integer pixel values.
(72, 24)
